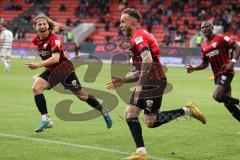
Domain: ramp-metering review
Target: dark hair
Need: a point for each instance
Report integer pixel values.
(5, 25)
(133, 13)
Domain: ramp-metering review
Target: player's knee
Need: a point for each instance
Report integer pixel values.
(82, 97)
(130, 113)
(36, 90)
(127, 113)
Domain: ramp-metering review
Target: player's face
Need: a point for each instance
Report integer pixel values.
(42, 25)
(207, 29)
(126, 24)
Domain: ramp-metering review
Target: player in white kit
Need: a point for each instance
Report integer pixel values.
(6, 39)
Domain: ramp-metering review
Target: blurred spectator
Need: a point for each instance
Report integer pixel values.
(77, 10)
(68, 22)
(7, 7)
(12, 6)
(192, 25)
(198, 39)
(27, 18)
(107, 25)
(69, 36)
(15, 32)
(236, 28)
(89, 40)
(178, 37)
(22, 33)
(169, 12)
(144, 2)
(77, 50)
(186, 23)
(62, 8)
(108, 39)
(28, 1)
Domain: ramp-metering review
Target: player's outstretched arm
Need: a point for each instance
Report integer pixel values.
(118, 81)
(52, 60)
(237, 51)
(190, 68)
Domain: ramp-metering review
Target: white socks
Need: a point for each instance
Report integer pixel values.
(187, 111)
(6, 63)
(141, 150)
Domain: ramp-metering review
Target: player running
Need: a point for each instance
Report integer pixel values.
(58, 69)
(6, 39)
(215, 50)
(151, 83)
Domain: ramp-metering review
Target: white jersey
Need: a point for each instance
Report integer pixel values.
(7, 37)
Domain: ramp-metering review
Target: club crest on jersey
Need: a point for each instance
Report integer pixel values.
(45, 46)
(57, 42)
(212, 53)
(214, 44)
(138, 40)
(44, 53)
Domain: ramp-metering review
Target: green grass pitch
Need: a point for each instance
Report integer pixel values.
(181, 139)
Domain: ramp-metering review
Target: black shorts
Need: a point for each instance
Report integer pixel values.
(150, 98)
(224, 79)
(69, 81)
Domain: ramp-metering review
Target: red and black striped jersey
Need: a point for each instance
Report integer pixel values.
(50, 45)
(216, 52)
(140, 40)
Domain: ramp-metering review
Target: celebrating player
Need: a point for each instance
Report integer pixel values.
(215, 50)
(6, 39)
(151, 82)
(58, 69)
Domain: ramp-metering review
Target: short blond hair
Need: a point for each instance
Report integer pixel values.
(53, 26)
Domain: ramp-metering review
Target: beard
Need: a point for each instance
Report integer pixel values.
(128, 32)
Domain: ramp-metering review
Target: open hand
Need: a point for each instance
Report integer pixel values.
(32, 65)
(116, 82)
(190, 68)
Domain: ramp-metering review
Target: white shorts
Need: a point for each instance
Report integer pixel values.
(5, 52)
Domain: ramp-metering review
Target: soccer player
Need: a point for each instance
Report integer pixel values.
(151, 82)
(6, 39)
(58, 69)
(215, 50)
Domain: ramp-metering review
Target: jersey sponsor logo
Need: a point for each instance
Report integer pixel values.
(45, 53)
(226, 38)
(212, 53)
(138, 40)
(214, 44)
(57, 42)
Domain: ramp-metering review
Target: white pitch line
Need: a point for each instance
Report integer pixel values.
(71, 145)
